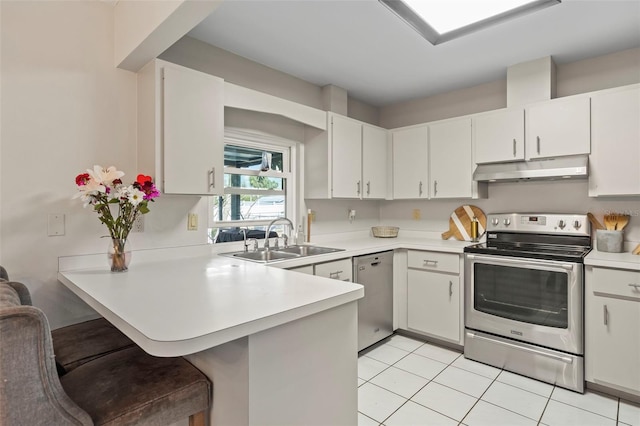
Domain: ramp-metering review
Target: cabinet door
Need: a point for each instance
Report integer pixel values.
(450, 164)
(307, 269)
(410, 163)
(374, 162)
(346, 157)
(613, 342)
(193, 131)
(499, 136)
(433, 305)
(558, 127)
(337, 270)
(614, 164)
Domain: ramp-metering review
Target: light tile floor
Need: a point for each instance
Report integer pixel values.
(408, 382)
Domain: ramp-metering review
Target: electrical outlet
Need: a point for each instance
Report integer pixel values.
(416, 214)
(138, 224)
(192, 222)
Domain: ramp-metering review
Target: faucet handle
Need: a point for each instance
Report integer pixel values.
(285, 239)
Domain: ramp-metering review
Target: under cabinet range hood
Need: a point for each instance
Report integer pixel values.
(544, 169)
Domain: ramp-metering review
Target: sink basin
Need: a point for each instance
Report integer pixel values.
(308, 250)
(274, 255)
(264, 255)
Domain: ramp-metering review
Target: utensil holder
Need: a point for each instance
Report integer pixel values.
(609, 241)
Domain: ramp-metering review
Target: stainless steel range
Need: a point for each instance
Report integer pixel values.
(524, 296)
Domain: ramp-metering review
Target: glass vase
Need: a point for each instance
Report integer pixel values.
(119, 254)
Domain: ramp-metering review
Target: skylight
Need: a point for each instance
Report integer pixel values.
(443, 20)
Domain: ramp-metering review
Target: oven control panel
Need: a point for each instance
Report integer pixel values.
(566, 224)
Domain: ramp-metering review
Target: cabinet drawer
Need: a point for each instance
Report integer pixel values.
(338, 270)
(616, 282)
(434, 261)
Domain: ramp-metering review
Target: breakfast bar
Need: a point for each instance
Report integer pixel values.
(279, 346)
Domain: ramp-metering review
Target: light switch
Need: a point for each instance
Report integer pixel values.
(192, 222)
(55, 224)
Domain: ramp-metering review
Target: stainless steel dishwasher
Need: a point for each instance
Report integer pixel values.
(375, 309)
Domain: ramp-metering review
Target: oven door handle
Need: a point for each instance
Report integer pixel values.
(503, 260)
(565, 359)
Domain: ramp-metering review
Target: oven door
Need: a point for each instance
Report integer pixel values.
(534, 301)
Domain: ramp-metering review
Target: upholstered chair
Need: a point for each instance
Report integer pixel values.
(126, 387)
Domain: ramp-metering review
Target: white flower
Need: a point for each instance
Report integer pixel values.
(104, 177)
(135, 196)
(91, 188)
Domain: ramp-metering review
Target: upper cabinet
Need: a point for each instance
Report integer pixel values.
(499, 136)
(558, 127)
(181, 128)
(349, 160)
(410, 162)
(614, 164)
(450, 159)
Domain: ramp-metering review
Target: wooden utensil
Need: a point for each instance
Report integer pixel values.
(623, 220)
(610, 221)
(460, 223)
(636, 250)
(594, 222)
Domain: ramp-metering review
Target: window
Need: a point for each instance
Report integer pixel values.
(258, 187)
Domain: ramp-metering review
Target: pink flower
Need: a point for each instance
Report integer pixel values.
(82, 179)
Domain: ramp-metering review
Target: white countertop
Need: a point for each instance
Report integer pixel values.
(179, 301)
(624, 260)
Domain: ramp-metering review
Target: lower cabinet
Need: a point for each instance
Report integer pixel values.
(338, 269)
(433, 294)
(306, 269)
(612, 328)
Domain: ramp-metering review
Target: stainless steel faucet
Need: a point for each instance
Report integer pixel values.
(246, 241)
(268, 231)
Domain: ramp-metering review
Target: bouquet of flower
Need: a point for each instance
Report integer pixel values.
(103, 189)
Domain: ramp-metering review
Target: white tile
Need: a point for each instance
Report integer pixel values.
(366, 421)
(476, 367)
(377, 403)
(515, 399)
(369, 367)
(629, 413)
(591, 401)
(405, 343)
(531, 385)
(399, 381)
(387, 354)
(485, 414)
(464, 381)
(438, 353)
(412, 414)
(421, 366)
(445, 400)
(559, 414)
(361, 382)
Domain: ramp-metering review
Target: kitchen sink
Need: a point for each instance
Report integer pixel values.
(273, 255)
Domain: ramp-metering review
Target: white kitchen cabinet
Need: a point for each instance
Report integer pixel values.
(498, 136)
(338, 269)
(181, 128)
(614, 163)
(346, 161)
(410, 162)
(433, 294)
(450, 159)
(612, 328)
(558, 127)
(374, 162)
(306, 269)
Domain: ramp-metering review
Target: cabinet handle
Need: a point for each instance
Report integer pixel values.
(635, 286)
(368, 187)
(420, 189)
(606, 315)
(514, 147)
(335, 274)
(358, 187)
(212, 178)
(538, 143)
(428, 262)
(450, 288)
(435, 188)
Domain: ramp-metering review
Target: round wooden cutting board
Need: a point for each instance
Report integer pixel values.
(460, 223)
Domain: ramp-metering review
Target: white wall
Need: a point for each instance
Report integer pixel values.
(64, 108)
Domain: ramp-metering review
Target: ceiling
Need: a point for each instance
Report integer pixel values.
(361, 46)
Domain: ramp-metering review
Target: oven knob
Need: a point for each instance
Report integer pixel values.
(507, 222)
(577, 224)
(495, 221)
(561, 224)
